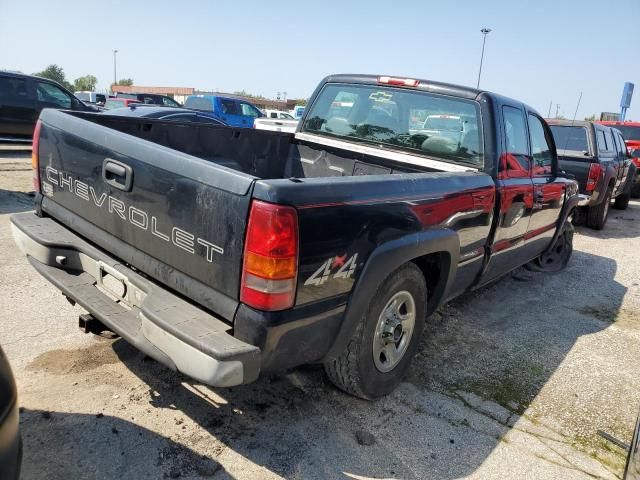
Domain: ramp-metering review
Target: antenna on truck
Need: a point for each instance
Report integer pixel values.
(566, 143)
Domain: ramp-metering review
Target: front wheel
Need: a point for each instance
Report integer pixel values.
(622, 201)
(381, 349)
(557, 257)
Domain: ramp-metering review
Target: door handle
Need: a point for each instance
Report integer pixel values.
(117, 174)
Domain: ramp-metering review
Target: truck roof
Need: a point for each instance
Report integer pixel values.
(568, 123)
(431, 86)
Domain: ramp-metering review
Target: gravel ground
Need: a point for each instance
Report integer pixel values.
(511, 381)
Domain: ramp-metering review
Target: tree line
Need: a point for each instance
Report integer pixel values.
(84, 83)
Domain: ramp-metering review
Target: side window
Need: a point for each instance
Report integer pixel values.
(169, 102)
(609, 138)
(229, 107)
(515, 162)
(602, 143)
(273, 115)
(540, 147)
(50, 94)
(249, 110)
(12, 90)
(623, 146)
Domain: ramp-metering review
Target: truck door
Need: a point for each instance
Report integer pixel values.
(249, 114)
(514, 196)
(230, 112)
(18, 113)
(548, 190)
(623, 157)
(618, 163)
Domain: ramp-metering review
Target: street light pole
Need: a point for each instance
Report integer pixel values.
(115, 78)
(484, 32)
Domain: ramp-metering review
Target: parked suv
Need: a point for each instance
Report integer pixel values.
(232, 111)
(597, 156)
(22, 98)
(150, 98)
(631, 134)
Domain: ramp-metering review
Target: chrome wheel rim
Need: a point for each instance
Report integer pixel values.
(393, 331)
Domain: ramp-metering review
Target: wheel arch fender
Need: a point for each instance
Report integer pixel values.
(570, 204)
(387, 258)
(630, 177)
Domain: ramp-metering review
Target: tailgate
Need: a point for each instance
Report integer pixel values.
(175, 217)
(577, 166)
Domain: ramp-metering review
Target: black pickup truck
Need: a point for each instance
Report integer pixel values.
(597, 156)
(224, 253)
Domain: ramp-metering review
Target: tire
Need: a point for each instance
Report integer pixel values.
(556, 258)
(622, 201)
(355, 370)
(597, 216)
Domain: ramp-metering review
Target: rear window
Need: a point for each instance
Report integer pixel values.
(570, 138)
(113, 103)
(199, 103)
(13, 88)
(444, 127)
(629, 132)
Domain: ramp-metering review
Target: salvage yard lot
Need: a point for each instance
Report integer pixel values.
(511, 381)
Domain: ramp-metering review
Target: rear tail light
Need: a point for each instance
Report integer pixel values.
(595, 171)
(270, 257)
(35, 161)
(400, 82)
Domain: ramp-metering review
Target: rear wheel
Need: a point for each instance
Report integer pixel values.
(622, 201)
(597, 216)
(380, 350)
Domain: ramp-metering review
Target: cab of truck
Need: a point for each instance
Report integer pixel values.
(232, 111)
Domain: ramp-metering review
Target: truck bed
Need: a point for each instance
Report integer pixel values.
(259, 153)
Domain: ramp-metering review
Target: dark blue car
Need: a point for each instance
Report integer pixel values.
(164, 113)
(232, 111)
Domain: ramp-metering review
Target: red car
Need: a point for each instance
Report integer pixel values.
(631, 134)
(112, 103)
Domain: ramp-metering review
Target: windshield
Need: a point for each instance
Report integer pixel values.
(629, 132)
(396, 118)
(570, 138)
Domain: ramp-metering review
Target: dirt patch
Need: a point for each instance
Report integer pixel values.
(64, 362)
(607, 314)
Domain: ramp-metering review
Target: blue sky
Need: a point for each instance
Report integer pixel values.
(538, 51)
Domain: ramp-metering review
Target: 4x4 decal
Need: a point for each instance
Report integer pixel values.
(322, 274)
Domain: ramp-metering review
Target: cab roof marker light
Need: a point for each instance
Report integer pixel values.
(400, 82)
